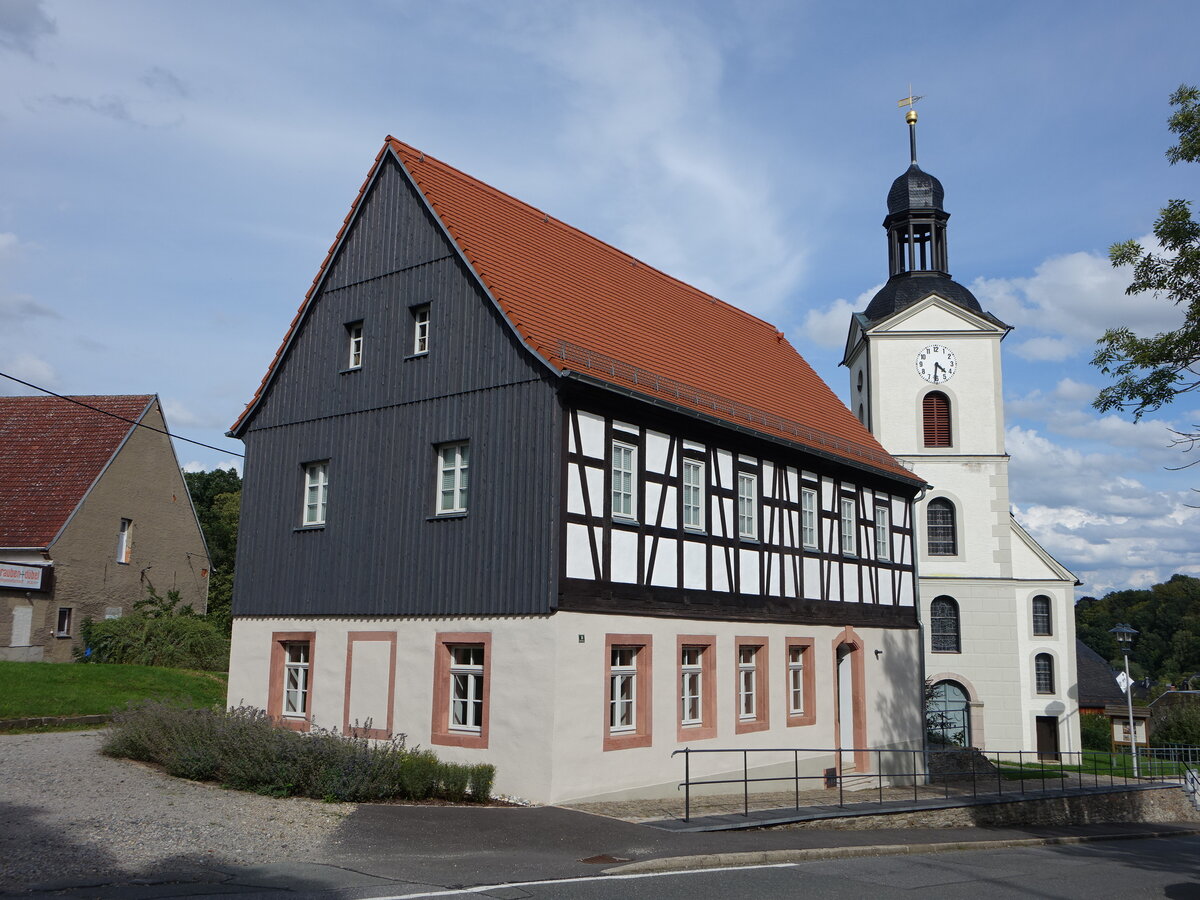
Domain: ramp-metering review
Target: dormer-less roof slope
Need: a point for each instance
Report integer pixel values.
(586, 308)
(51, 453)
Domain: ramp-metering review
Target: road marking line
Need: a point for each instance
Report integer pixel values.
(483, 888)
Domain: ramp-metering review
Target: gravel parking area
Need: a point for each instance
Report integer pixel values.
(69, 814)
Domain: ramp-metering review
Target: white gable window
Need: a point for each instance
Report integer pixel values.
(316, 492)
(354, 337)
(624, 468)
(883, 536)
(693, 494)
(125, 541)
(849, 542)
(453, 462)
(420, 316)
(747, 506)
(808, 517)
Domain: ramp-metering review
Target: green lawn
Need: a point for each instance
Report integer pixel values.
(1102, 765)
(73, 689)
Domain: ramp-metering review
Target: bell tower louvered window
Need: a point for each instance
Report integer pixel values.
(936, 410)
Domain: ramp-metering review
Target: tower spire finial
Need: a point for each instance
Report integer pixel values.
(911, 118)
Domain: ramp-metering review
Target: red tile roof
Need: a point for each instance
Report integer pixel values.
(584, 306)
(51, 452)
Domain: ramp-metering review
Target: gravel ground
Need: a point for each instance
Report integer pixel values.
(68, 814)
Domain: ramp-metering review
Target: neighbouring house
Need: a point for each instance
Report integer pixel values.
(926, 378)
(1100, 694)
(530, 501)
(93, 511)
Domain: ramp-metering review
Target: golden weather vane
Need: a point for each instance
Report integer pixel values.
(911, 118)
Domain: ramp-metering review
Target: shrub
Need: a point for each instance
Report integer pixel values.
(1180, 725)
(1095, 732)
(242, 748)
(177, 642)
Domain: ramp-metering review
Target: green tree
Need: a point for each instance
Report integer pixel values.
(217, 496)
(1150, 372)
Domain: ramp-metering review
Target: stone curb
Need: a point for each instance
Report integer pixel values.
(774, 857)
(8, 724)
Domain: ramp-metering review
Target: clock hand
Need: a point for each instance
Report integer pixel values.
(936, 366)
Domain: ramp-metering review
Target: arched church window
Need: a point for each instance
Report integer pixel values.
(936, 412)
(941, 534)
(944, 625)
(948, 714)
(1041, 615)
(1043, 673)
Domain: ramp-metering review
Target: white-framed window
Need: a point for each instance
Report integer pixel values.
(63, 626)
(624, 478)
(1042, 623)
(796, 680)
(420, 316)
(693, 494)
(808, 517)
(125, 541)
(295, 678)
(747, 505)
(466, 688)
(1043, 673)
(883, 533)
(354, 336)
(691, 670)
(453, 462)
(747, 683)
(622, 673)
(316, 492)
(848, 536)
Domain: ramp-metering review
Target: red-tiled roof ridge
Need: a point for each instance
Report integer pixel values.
(561, 284)
(52, 451)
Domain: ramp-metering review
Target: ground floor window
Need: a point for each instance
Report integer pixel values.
(801, 682)
(291, 687)
(295, 678)
(948, 714)
(751, 685)
(461, 688)
(697, 686)
(627, 691)
(63, 627)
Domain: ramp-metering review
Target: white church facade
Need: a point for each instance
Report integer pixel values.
(926, 378)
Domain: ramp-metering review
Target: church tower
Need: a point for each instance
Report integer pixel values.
(926, 378)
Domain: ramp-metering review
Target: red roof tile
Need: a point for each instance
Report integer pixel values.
(574, 299)
(51, 451)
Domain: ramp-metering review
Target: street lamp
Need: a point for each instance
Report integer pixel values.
(1125, 634)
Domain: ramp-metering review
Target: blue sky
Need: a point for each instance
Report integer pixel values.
(174, 173)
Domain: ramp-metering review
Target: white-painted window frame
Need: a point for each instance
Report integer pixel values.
(693, 494)
(847, 532)
(63, 625)
(747, 512)
(747, 682)
(354, 335)
(691, 668)
(623, 464)
(316, 493)
(796, 680)
(808, 518)
(883, 534)
(453, 477)
(623, 696)
(125, 542)
(466, 688)
(420, 345)
(296, 678)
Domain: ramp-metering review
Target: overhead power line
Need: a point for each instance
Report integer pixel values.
(111, 415)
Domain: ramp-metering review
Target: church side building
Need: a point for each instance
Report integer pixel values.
(926, 379)
(521, 497)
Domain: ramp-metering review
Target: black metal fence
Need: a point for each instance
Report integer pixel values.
(915, 774)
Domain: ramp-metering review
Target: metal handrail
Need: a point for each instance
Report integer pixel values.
(1080, 766)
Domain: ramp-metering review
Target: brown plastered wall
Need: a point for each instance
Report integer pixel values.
(142, 483)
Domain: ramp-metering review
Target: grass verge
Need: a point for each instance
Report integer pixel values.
(35, 689)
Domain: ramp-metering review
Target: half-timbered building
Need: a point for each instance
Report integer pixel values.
(519, 496)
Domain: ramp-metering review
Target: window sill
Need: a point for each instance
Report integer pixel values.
(692, 529)
(626, 520)
(625, 740)
(947, 652)
(438, 517)
(412, 356)
(57, 634)
(349, 370)
(122, 562)
(320, 527)
(747, 539)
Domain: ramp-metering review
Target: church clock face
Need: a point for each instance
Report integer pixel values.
(936, 363)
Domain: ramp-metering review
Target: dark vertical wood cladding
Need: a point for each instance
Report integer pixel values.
(394, 257)
(382, 550)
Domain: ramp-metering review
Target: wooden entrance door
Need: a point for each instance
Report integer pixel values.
(1047, 737)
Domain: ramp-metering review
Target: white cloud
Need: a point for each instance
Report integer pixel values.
(194, 465)
(1070, 301)
(827, 327)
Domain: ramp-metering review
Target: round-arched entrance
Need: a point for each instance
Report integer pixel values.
(948, 714)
